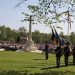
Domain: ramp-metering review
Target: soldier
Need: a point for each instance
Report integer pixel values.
(58, 51)
(46, 51)
(66, 53)
(73, 50)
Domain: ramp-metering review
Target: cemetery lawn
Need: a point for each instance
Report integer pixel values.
(26, 63)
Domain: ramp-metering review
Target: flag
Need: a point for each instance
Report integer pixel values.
(53, 37)
(60, 40)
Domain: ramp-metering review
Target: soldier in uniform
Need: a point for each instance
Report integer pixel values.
(46, 51)
(73, 51)
(58, 52)
(66, 53)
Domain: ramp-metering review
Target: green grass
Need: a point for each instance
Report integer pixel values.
(22, 63)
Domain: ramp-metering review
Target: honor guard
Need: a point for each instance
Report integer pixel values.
(73, 51)
(66, 53)
(58, 55)
(46, 51)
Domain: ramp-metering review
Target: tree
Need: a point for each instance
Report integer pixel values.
(72, 38)
(52, 11)
(23, 31)
(18, 39)
(36, 36)
(40, 37)
(46, 38)
(6, 34)
(3, 35)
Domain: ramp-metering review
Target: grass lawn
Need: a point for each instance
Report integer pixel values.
(26, 63)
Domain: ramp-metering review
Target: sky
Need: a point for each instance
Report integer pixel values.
(11, 16)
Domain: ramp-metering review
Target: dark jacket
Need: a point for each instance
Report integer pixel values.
(73, 50)
(46, 47)
(58, 51)
(67, 51)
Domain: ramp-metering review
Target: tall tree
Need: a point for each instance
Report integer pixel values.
(52, 11)
(72, 38)
(36, 36)
(23, 31)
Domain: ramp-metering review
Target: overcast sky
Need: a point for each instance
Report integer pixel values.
(11, 16)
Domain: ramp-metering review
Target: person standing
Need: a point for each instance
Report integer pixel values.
(46, 51)
(58, 52)
(66, 53)
(73, 51)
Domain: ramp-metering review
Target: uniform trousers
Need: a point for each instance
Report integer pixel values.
(58, 62)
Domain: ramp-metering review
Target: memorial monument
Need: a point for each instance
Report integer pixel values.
(29, 44)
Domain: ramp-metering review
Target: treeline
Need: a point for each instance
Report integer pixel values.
(41, 37)
(7, 34)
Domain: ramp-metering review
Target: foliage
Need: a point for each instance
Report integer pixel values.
(72, 38)
(41, 37)
(36, 36)
(52, 11)
(6, 34)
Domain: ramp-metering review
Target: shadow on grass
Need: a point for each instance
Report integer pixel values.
(32, 67)
(53, 67)
(38, 59)
(68, 65)
(44, 73)
(13, 73)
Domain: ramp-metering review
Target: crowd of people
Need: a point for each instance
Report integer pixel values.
(6, 45)
(62, 50)
(10, 46)
(42, 47)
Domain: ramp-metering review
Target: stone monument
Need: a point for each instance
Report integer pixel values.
(29, 44)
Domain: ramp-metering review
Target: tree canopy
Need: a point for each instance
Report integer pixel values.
(52, 11)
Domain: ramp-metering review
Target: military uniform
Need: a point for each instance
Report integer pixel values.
(66, 53)
(58, 55)
(46, 51)
(73, 50)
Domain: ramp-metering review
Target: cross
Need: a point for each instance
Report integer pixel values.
(30, 43)
(30, 28)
